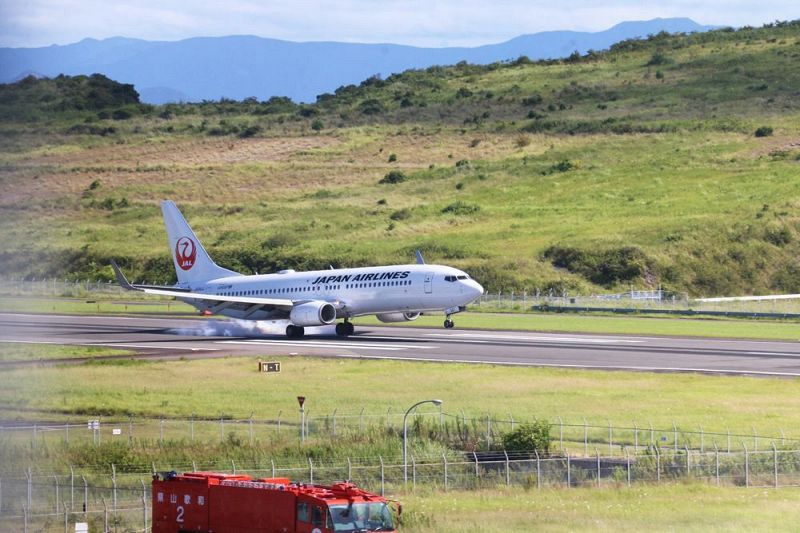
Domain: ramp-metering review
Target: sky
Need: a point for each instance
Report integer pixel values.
(434, 23)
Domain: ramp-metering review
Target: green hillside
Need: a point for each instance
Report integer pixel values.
(672, 161)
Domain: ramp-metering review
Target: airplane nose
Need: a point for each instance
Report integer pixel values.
(478, 288)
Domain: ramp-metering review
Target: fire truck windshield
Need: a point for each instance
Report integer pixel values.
(360, 517)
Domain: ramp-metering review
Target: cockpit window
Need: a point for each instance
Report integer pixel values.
(463, 277)
(450, 278)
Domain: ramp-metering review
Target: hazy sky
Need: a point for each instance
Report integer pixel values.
(415, 22)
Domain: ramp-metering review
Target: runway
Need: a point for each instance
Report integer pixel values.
(167, 338)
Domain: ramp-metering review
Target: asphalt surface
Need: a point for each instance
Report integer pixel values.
(166, 338)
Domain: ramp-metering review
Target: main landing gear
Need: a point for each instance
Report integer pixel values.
(448, 324)
(343, 329)
(295, 332)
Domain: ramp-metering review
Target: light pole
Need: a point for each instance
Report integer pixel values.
(405, 434)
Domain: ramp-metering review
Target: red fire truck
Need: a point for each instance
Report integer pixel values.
(224, 503)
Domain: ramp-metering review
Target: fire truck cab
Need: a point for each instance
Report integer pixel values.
(224, 503)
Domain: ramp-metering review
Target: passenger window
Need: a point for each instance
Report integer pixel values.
(317, 519)
(302, 512)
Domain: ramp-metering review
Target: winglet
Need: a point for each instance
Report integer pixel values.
(121, 279)
(420, 260)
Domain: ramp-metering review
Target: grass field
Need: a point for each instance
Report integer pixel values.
(232, 387)
(588, 175)
(44, 352)
(672, 508)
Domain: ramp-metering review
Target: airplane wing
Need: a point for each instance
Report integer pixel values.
(277, 303)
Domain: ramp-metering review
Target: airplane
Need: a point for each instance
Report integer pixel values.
(393, 293)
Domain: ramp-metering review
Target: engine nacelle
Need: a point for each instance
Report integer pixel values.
(313, 314)
(397, 317)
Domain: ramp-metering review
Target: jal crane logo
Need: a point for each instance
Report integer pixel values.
(185, 253)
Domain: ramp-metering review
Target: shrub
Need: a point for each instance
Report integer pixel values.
(121, 114)
(529, 437)
(463, 92)
(763, 131)
(392, 158)
(604, 267)
(394, 176)
(250, 131)
(317, 125)
(401, 214)
(658, 58)
(461, 208)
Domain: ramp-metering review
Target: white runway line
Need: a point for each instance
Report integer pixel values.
(332, 345)
(585, 367)
(116, 345)
(595, 340)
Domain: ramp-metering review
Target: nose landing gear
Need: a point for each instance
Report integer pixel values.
(448, 324)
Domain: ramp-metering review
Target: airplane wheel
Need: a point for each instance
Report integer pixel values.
(350, 328)
(294, 332)
(342, 330)
(448, 324)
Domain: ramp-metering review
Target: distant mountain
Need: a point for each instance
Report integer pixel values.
(237, 67)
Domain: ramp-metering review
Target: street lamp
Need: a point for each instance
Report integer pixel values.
(405, 434)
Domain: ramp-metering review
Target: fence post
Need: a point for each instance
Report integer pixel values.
(66, 518)
(538, 469)
(334, 422)
(688, 465)
(71, 489)
(561, 433)
(311, 471)
(674, 437)
(746, 466)
(775, 462)
(413, 473)
(25, 517)
(194, 466)
(635, 437)
(383, 476)
(716, 461)
(702, 440)
(349, 469)
(610, 438)
(58, 500)
(114, 486)
(144, 513)
(658, 466)
(569, 471)
(508, 469)
(628, 461)
(444, 459)
(585, 437)
(488, 431)
(597, 454)
(1, 496)
(30, 486)
(233, 467)
(272, 463)
(475, 457)
(85, 498)
(105, 514)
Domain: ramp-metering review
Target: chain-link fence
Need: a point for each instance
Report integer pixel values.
(479, 432)
(121, 501)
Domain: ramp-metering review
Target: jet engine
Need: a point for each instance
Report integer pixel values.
(397, 317)
(312, 314)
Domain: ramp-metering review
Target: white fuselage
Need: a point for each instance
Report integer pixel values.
(353, 291)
